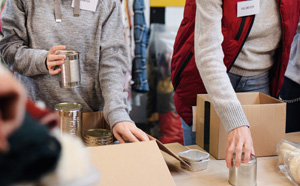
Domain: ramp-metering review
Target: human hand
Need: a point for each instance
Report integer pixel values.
(128, 131)
(54, 60)
(12, 106)
(238, 139)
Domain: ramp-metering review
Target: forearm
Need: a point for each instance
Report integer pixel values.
(25, 61)
(113, 66)
(14, 46)
(209, 59)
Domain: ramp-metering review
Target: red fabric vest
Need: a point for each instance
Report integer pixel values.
(185, 75)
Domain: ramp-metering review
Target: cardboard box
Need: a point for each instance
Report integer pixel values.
(133, 164)
(265, 114)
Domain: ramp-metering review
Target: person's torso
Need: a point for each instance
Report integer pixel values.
(257, 54)
(185, 75)
(82, 34)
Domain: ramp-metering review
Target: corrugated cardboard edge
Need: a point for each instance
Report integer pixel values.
(168, 151)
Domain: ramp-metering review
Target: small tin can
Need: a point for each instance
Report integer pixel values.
(98, 137)
(196, 159)
(70, 118)
(245, 174)
(70, 71)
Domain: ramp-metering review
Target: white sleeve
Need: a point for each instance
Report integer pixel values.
(209, 60)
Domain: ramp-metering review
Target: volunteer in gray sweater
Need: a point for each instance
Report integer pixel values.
(290, 92)
(249, 72)
(34, 31)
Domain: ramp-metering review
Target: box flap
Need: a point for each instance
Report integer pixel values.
(167, 150)
(131, 164)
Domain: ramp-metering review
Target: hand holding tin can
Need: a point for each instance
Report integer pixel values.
(53, 60)
(68, 62)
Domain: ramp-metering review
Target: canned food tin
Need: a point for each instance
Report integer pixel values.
(70, 71)
(70, 117)
(245, 174)
(97, 137)
(196, 159)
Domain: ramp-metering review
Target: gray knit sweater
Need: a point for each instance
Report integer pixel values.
(30, 31)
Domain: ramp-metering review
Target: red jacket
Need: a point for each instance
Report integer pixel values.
(185, 75)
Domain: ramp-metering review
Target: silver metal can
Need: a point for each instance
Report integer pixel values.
(70, 71)
(70, 118)
(245, 174)
(98, 137)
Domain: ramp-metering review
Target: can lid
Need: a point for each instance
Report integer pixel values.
(98, 133)
(68, 107)
(67, 52)
(193, 155)
(251, 160)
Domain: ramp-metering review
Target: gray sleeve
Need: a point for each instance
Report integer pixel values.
(209, 60)
(14, 46)
(113, 66)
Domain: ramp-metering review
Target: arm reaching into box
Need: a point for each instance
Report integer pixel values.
(209, 61)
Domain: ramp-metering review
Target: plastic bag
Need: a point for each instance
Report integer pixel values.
(289, 160)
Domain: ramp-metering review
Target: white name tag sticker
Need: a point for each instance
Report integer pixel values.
(89, 5)
(247, 8)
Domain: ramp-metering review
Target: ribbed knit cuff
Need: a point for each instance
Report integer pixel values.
(41, 60)
(233, 117)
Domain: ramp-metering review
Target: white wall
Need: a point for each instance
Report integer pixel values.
(173, 15)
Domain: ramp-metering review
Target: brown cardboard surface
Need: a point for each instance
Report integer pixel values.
(167, 150)
(265, 114)
(131, 164)
(216, 173)
(293, 136)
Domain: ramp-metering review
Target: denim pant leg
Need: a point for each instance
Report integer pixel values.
(258, 83)
(189, 137)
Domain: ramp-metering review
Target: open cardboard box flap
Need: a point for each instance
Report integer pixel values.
(131, 164)
(168, 151)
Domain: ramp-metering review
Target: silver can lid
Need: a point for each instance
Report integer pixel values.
(193, 155)
(68, 107)
(67, 52)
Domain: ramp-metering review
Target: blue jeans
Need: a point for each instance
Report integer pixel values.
(189, 137)
(258, 83)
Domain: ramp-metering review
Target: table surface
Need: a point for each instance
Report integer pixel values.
(217, 173)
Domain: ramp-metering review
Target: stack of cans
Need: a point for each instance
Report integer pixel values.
(70, 117)
(97, 137)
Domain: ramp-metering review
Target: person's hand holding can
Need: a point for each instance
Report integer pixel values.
(53, 60)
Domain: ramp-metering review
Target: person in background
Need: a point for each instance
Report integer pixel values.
(35, 31)
(290, 92)
(218, 52)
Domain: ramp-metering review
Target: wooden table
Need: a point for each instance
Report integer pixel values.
(217, 173)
